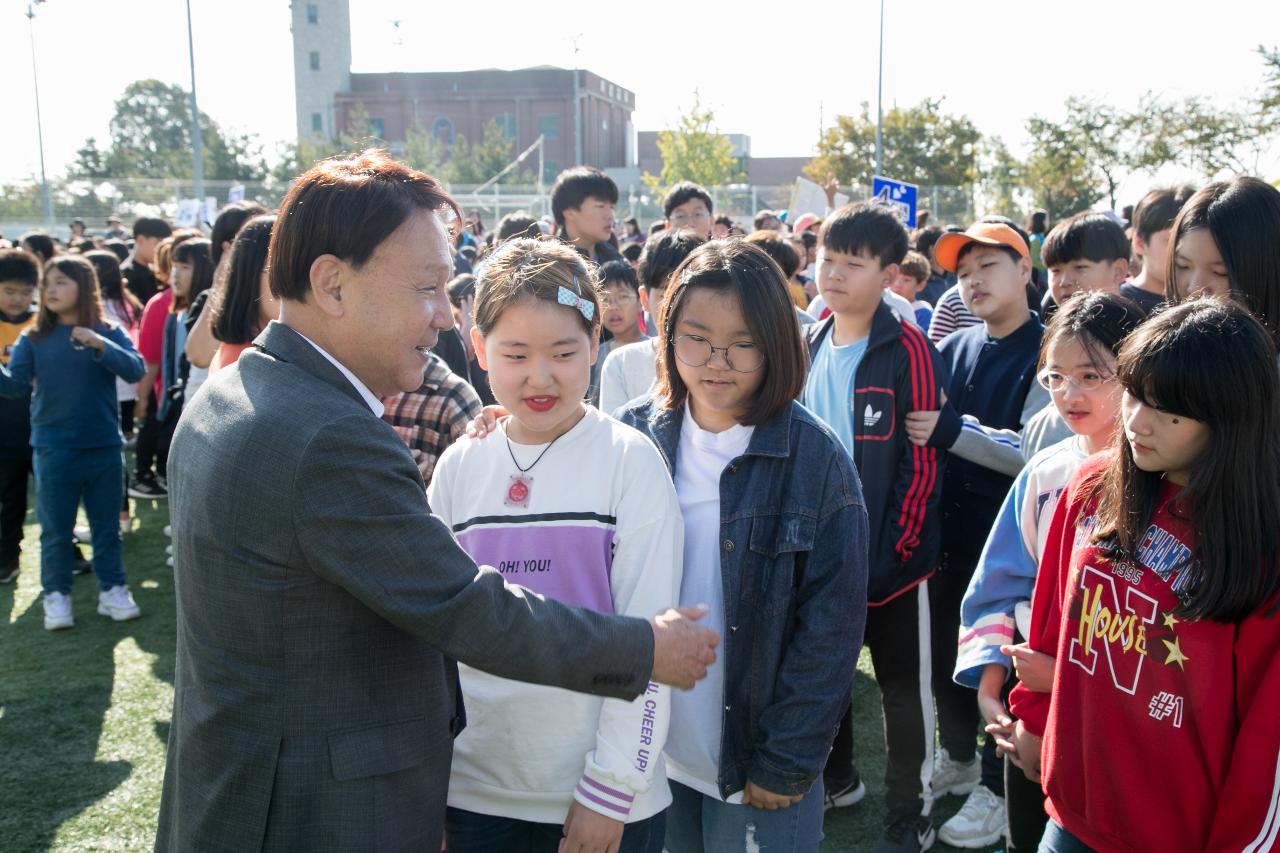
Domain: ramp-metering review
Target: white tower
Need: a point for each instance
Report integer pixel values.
(321, 62)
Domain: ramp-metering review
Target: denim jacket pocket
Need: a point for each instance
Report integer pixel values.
(776, 543)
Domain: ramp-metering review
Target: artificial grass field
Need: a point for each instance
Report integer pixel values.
(84, 713)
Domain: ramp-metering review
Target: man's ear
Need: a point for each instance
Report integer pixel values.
(477, 343)
(1119, 271)
(326, 274)
(1024, 270)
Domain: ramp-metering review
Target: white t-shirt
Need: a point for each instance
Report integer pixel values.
(693, 744)
(628, 372)
(593, 523)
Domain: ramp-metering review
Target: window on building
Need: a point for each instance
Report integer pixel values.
(313, 13)
(442, 130)
(549, 127)
(550, 168)
(602, 89)
(507, 124)
(315, 60)
(377, 128)
(317, 123)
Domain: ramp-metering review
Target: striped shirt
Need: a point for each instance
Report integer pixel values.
(433, 417)
(950, 315)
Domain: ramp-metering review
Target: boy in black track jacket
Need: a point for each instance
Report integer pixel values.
(868, 371)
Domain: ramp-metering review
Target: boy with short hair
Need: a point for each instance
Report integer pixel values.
(620, 314)
(148, 232)
(629, 371)
(1088, 251)
(869, 369)
(19, 280)
(687, 205)
(1152, 225)
(992, 388)
(912, 277)
(582, 201)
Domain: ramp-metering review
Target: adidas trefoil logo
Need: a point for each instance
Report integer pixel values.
(870, 417)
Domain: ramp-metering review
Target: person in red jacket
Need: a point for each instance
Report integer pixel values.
(1157, 595)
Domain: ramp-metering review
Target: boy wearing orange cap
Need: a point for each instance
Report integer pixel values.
(991, 394)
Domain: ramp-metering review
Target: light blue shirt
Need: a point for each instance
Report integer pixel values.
(828, 392)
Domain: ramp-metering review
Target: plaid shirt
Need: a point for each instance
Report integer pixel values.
(433, 417)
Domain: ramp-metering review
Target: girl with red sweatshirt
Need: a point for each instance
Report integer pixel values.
(1157, 594)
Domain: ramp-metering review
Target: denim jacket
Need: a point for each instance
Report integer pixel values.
(793, 560)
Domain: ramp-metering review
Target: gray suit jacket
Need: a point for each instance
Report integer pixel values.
(320, 609)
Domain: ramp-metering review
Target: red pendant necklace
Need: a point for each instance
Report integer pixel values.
(521, 487)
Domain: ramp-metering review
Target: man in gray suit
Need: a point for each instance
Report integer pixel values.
(320, 605)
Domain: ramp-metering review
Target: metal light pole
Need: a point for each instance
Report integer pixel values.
(35, 82)
(197, 141)
(880, 101)
(577, 106)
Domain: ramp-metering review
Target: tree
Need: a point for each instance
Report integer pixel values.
(475, 163)
(922, 145)
(1057, 170)
(695, 151)
(1002, 179)
(151, 138)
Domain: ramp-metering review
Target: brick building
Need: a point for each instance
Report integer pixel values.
(524, 103)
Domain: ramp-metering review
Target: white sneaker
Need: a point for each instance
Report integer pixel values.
(980, 821)
(168, 561)
(168, 531)
(954, 777)
(168, 550)
(126, 526)
(118, 603)
(57, 612)
(83, 533)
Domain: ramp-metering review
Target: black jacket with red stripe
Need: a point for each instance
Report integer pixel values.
(901, 372)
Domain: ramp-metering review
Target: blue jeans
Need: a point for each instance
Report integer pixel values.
(470, 832)
(63, 477)
(697, 823)
(1058, 840)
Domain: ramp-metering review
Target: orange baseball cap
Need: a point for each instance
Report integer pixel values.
(947, 249)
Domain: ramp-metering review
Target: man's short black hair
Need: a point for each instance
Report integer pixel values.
(460, 288)
(723, 219)
(1092, 236)
(860, 227)
(119, 248)
(663, 252)
(1156, 211)
(632, 251)
(683, 192)
(19, 266)
(41, 243)
(924, 239)
(576, 185)
(150, 226)
(618, 271)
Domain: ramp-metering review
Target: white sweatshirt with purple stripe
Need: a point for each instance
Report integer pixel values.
(602, 530)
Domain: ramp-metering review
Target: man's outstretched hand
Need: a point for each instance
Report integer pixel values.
(682, 649)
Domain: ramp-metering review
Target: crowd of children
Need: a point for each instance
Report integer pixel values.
(1036, 471)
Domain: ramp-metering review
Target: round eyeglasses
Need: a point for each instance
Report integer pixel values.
(741, 357)
(1090, 380)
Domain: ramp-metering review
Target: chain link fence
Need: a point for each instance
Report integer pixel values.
(92, 201)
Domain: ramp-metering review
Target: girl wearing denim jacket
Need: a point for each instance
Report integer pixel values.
(775, 544)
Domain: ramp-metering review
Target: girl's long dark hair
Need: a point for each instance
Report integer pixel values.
(1243, 215)
(1211, 361)
(112, 286)
(198, 254)
(88, 303)
(235, 320)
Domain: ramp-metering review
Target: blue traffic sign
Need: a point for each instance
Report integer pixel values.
(898, 196)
